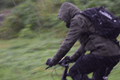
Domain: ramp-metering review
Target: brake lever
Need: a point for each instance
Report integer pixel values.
(47, 68)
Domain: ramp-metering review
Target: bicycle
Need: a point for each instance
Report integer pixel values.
(64, 63)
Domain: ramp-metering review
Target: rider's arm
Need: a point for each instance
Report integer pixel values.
(80, 51)
(77, 27)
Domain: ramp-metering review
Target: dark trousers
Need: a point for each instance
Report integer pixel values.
(92, 63)
(97, 75)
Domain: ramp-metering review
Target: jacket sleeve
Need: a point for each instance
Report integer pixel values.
(77, 27)
(80, 51)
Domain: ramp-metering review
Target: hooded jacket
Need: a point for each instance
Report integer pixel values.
(69, 9)
(80, 28)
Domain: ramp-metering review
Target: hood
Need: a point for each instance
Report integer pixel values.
(67, 12)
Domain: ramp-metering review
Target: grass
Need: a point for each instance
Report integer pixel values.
(24, 59)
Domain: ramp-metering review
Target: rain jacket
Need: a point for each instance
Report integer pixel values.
(81, 28)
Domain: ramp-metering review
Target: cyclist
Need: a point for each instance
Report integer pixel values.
(103, 51)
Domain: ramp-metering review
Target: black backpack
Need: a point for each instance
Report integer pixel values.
(106, 24)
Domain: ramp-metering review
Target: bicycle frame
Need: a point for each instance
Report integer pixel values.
(65, 71)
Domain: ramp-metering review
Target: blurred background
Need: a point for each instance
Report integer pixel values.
(30, 33)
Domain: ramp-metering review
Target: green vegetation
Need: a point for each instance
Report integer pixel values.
(31, 34)
(24, 59)
(30, 16)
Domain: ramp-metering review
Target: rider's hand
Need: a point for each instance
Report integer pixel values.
(66, 60)
(49, 63)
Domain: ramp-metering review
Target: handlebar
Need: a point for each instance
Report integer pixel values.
(62, 63)
(65, 63)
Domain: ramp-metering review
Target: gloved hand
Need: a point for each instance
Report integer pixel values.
(48, 62)
(66, 60)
